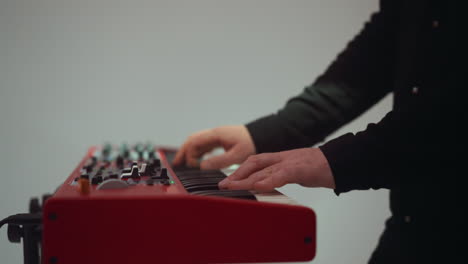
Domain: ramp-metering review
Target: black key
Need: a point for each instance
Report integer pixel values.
(190, 171)
(203, 181)
(202, 187)
(241, 194)
(207, 178)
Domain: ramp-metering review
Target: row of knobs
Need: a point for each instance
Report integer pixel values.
(152, 169)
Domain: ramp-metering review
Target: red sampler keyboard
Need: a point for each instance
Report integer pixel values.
(127, 204)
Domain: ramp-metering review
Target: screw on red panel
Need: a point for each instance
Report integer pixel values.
(53, 260)
(307, 240)
(53, 216)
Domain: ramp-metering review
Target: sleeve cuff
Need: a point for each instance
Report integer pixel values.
(340, 155)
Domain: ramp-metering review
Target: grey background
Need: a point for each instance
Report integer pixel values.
(77, 73)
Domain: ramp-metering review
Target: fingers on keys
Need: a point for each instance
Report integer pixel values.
(194, 147)
(259, 172)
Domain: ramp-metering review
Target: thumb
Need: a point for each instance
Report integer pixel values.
(220, 161)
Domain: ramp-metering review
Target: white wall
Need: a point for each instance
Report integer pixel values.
(77, 73)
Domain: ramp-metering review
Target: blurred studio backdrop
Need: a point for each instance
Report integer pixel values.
(78, 73)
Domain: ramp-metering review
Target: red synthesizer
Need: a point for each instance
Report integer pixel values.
(127, 204)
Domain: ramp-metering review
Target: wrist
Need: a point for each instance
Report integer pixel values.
(314, 170)
(324, 173)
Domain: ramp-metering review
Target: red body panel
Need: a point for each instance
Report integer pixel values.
(164, 224)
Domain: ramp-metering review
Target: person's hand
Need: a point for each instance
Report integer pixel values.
(236, 141)
(264, 172)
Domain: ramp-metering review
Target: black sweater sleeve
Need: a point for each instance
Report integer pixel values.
(357, 79)
(376, 157)
(405, 147)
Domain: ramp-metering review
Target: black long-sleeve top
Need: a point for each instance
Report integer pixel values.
(410, 48)
(405, 48)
